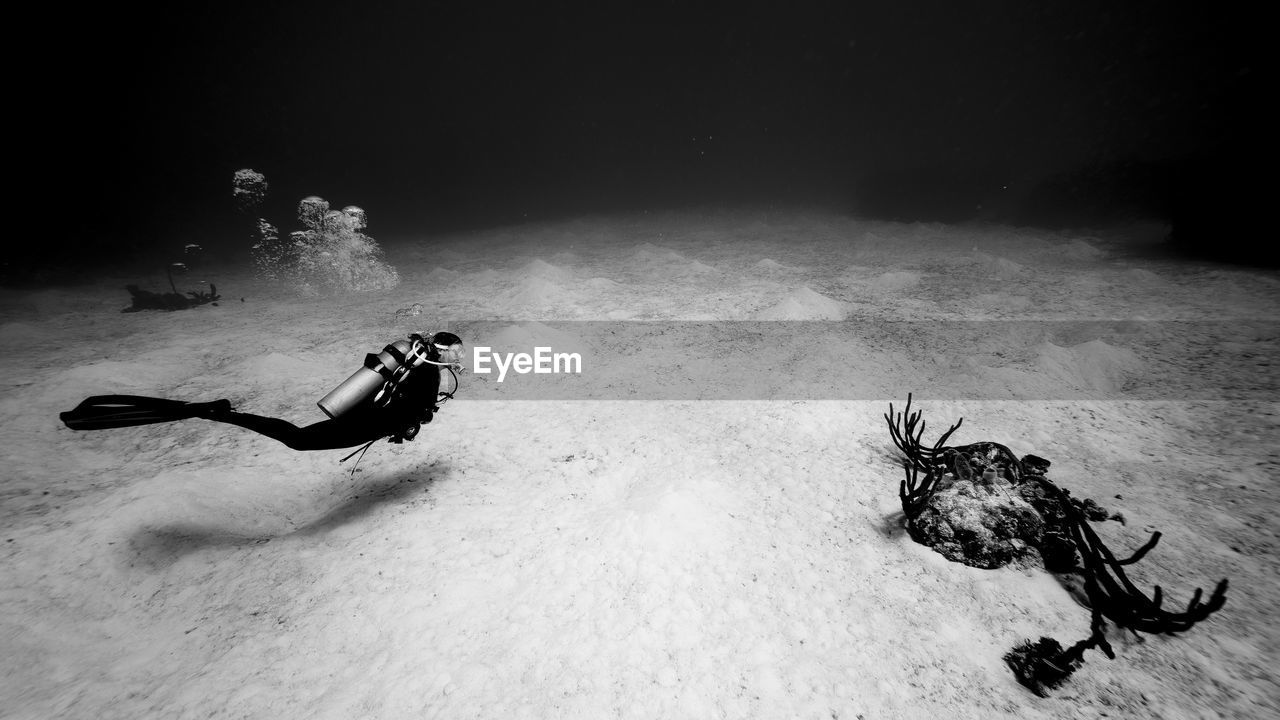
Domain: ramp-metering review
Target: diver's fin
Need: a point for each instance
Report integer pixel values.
(113, 411)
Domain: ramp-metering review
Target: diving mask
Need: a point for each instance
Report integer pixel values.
(449, 354)
(448, 349)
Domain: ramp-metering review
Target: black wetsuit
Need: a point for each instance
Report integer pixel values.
(413, 404)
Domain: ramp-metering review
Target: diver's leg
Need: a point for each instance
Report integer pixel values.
(115, 411)
(323, 435)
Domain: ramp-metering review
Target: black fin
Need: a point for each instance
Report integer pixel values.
(113, 411)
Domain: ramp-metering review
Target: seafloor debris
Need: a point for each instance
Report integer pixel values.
(147, 300)
(413, 310)
(981, 505)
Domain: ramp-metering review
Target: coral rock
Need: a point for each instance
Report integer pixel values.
(980, 525)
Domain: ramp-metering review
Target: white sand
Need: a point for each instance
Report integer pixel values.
(597, 559)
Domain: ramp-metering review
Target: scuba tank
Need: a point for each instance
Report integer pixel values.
(382, 373)
(366, 381)
(378, 380)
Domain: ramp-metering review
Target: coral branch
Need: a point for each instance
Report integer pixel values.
(1116, 597)
(906, 429)
(914, 492)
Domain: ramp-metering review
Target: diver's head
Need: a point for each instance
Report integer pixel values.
(445, 348)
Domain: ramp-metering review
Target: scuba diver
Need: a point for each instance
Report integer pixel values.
(392, 395)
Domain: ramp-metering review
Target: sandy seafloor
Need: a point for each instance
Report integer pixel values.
(623, 558)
